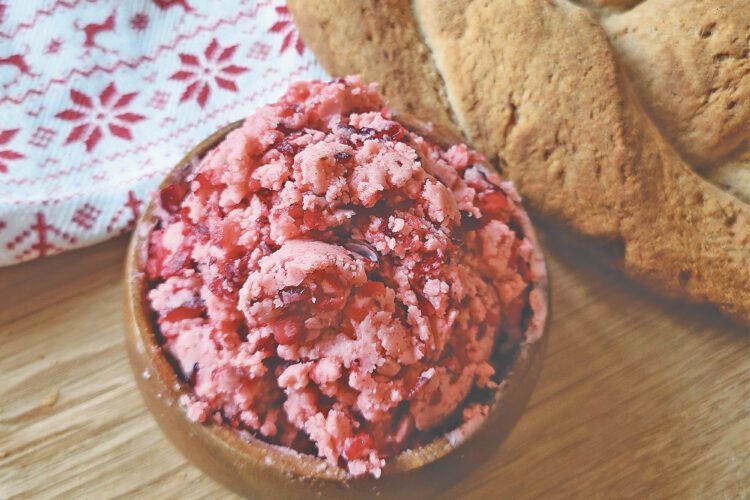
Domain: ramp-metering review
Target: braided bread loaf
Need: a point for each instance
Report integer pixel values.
(607, 119)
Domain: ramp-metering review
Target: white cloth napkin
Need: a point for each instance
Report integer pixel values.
(100, 98)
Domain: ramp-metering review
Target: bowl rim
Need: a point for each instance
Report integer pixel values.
(291, 462)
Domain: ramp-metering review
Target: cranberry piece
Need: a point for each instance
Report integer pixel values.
(373, 288)
(294, 211)
(254, 185)
(204, 186)
(153, 269)
(357, 446)
(357, 313)
(289, 110)
(191, 309)
(176, 264)
(171, 196)
(492, 203)
(312, 218)
(234, 274)
(330, 292)
(287, 148)
(395, 132)
(217, 288)
(236, 271)
(346, 130)
(265, 247)
(287, 331)
(425, 306)
(430, 264)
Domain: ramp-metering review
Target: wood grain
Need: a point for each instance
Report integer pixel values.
(639, 397)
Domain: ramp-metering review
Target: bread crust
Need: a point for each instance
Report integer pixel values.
(536, 85)
(690, 65)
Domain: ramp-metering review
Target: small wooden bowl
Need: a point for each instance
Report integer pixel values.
(255, 468)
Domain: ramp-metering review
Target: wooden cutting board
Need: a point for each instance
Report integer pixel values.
(639, 397)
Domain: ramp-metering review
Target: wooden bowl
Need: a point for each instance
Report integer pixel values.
(255, 468)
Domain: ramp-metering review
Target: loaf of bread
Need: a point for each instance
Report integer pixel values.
(628, 121)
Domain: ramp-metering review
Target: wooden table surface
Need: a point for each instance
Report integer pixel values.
(639, 396)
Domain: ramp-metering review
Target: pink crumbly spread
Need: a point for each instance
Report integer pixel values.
(330, 282)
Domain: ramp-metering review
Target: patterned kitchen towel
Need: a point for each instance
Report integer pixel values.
(99, 98)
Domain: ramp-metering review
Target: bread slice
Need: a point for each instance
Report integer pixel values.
(690, 65)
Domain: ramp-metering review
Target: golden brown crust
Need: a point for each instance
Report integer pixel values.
(691, 67)
(513, 93)
(733, 176)
(378, 40)
(551, 102)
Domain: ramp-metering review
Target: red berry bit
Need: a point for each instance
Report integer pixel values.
(287, 331)
(430, 265)
(171, 196)
(162, 263)
(357, 310)
(358, 446)
(176, 263)
(492, 203)
(203, 186)
(394, 132)
(331, 292)
(194, 308)
(373, 289)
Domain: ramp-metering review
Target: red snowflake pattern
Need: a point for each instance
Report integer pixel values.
(139, 22)
(91, 118)
(285, 24)
(8, 155)
(200, 71)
